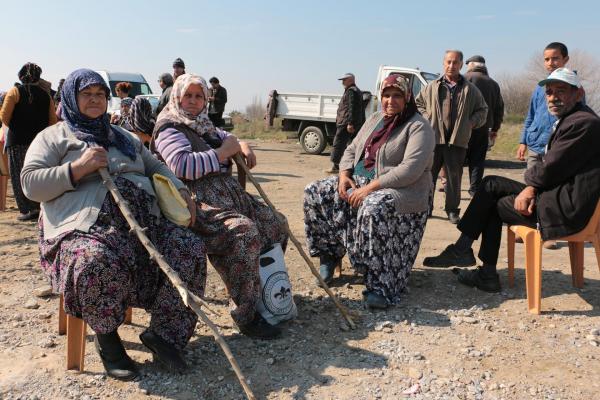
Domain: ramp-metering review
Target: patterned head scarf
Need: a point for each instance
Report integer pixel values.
(97, 130)
(140, 116)
(173, 113)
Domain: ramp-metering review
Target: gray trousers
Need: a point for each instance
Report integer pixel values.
(533, 158)
(452, 158)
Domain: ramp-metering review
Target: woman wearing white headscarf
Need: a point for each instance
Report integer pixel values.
(235, 227)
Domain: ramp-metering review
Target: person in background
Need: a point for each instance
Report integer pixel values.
(27, 110)
(350, 118)
(376, 209)
(165, 82)
(57, 94)
(122, 119)
(538, 124)
(454, 107)
(477, 74)
(86, 247)
(217, 98)
(178, 68)
(559, 196)
(141, 119)
(122, 89)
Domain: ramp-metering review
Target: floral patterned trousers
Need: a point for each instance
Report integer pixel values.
(380, 243)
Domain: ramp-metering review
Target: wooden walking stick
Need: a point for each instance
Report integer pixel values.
(189, 299)
(239, 161)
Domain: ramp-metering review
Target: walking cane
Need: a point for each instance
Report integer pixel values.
(189, 299)
(345, 313)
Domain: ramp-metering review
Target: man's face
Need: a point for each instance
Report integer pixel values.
(561, 97)
(452, 65)
(177, 71)
(161, 84)
(347, 82)
(553, 59)
(214, 85)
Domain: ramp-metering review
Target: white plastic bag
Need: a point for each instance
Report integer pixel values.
(276, 302)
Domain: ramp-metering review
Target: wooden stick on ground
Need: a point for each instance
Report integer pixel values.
(190, 300)
(345, 313)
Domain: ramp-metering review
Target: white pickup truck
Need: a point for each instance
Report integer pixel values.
(312, 115)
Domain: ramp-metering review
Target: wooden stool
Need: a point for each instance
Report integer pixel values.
(76, 330)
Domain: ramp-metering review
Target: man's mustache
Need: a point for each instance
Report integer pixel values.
(556, 103)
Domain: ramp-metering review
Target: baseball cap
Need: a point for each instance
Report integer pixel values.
(346, 76)
(562, 75)
(478, 59)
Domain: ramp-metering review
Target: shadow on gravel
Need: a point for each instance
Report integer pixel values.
(505, 164)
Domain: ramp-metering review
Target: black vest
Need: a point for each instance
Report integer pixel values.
(29, 117)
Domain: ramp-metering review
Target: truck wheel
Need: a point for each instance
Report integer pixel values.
(312, 140)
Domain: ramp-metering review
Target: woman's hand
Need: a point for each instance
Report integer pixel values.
(191, 204)
(92, 159)
(248, 154)
(228, 149)
(358, 195)
(345, 183)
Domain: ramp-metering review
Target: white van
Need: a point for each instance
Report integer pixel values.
(139, 85)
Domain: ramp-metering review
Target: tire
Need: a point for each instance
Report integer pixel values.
(313, 140)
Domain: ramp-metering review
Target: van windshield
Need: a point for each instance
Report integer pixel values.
(429, 77)
(137, 88)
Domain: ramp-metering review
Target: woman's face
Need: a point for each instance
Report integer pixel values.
(193, 100)
(92, 101)
(392, 101)
(121, 93)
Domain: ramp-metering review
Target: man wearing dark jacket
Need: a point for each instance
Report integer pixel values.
(166, 84)
(217, 100)
(477, 74)
(349, 120)
(559, 197)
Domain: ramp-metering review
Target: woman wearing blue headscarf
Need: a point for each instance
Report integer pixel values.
(85, 246)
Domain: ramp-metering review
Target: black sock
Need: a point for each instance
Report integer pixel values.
(488, 270)
(464, 243)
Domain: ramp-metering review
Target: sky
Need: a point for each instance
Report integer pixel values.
(300, 46)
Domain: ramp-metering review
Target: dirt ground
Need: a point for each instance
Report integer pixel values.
(445, 341)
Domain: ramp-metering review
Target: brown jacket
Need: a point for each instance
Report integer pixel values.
(472, 112)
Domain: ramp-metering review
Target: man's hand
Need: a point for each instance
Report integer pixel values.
(345, 183)
(350, 128)
(525, 201)
(521, 151)
(191, 205)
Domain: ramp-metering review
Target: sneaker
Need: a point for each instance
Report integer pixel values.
(374, 301)
(116, 362)
(450, 257)
(327, 268)
(453, 217)
(476, 278)
(164, 352)
(30, 216)
(259, 328)
(550, 245)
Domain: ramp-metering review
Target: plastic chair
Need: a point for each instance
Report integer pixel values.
(533, 256)
(76, 330)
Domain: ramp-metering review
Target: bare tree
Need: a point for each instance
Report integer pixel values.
(516, 91)
(256, 110)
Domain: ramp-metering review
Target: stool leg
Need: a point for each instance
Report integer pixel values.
(510, 245)
(62, 317)
(533, 273)
(128, 315)
(596, 243)
(76, 332)
(338, 267)
(576, 256)
(3, 190)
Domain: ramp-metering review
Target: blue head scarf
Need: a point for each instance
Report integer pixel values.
(97, 130)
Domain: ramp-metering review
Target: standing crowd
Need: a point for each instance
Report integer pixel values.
(374, 207)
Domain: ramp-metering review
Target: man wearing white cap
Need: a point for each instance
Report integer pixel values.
(559, 195)
(349, 120)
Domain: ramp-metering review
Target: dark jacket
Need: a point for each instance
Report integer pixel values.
(568, 178)
(351, 110)
(163, 100)
(218, 104)
(491, 93)
(29, 117)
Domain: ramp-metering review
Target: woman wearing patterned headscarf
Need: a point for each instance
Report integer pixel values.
(27, 110)
(376, 209)
(234, 225)
(85, 245)
(141, 119)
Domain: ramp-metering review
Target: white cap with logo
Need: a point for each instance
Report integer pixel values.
(562, 75)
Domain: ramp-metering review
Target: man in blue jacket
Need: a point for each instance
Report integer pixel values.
(538, 123)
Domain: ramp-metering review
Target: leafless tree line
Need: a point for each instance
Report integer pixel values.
(517, 87)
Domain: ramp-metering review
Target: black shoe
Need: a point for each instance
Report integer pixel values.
(450, 257)
(327, 268)
(374, 300)
(476, 278)
(163, 352)
(116, 362)
(30, 216)
(259, 328)
(453, 217)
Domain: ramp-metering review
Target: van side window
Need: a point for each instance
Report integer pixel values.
(416, 86)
